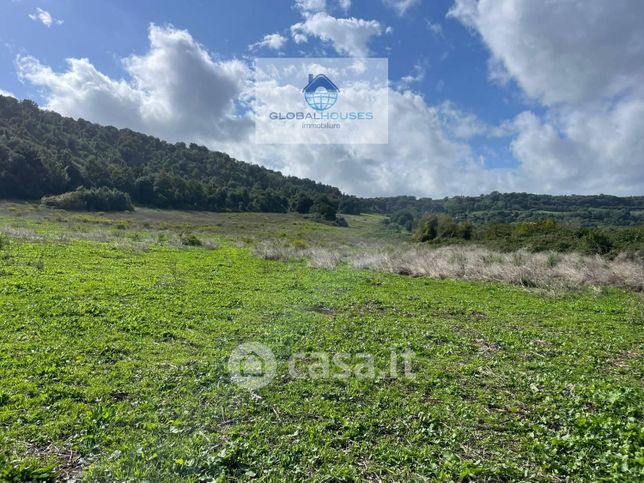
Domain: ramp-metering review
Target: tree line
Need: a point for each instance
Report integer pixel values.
(542, 235)
(43, 154)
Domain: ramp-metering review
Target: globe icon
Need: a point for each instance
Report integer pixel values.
(321, 99)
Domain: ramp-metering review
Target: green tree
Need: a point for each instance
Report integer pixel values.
(301, 203)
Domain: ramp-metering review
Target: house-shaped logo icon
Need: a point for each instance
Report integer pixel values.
(320, 93)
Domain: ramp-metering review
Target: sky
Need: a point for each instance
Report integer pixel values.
(506, 95)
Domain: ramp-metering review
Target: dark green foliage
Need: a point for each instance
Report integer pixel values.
(22, 172)
(563, 237)
(350, 205)
(404, 218)
(596, 242)
(43, 153)
(325, 208)
(93, 199)
(441, 227)
(595, 210)
(301, 203)
(267, 201)
(535, 236)
(341, 221)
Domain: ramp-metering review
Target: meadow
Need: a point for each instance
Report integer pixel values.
(117, 331)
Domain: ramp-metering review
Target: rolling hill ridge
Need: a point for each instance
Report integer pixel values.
(43, 153)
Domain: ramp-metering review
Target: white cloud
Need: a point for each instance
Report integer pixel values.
(177, 91)
(583, 62)
(422, 158)
(416, 76)
(464, 125)
(401, 6)
(311, 5)
(566, 52)
(590, 149)
(44, 17)
(6, 93)
(345, 5)
(348, 36)
(271, 41)
(435, 28)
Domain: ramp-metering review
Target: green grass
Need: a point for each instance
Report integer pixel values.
(145, 223)
(113, 363)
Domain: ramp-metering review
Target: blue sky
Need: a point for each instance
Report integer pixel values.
(448, 64)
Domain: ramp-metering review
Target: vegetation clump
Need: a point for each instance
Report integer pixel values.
(190, 240)
(441, 227)
(92, 199)
(535, 236)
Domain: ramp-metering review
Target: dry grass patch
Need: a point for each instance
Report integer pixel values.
(544, 270)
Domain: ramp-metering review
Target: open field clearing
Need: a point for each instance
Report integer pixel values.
(151, 226)
(366, 244)
(114, 361)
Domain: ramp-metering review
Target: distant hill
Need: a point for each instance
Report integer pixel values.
(592, 210)
(43, 153)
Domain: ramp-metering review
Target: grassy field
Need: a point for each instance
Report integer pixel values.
(116, 341)
(150, 226)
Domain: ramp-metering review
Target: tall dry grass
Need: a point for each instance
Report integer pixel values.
(544, 270)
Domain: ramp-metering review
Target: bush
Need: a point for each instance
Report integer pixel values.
(92, 199)
(299, 244)
(325, 208)
(596, 243)
(190, 240)
(301, 203)
(551, 235)
(405, 219)
(438, 227)
(341, 221)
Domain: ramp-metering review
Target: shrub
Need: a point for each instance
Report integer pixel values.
(299, 244)
(341, 221)
(404, 218)
(190, 240)
(596, 243)
(553, 259)
(325, 208)
(92, 199)
(301, 203)
(435, 227)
